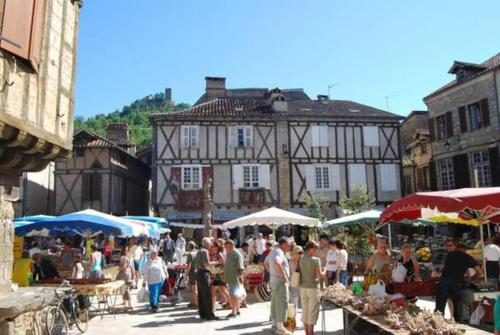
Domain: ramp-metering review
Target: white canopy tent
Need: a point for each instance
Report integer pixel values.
(273, 218)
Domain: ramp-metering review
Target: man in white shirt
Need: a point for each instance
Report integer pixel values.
(260, 244)
(492, 256)
(277, 264)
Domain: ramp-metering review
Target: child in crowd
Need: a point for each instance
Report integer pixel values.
(77, 268)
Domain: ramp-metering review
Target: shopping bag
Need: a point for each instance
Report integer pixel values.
(241, 293)
(399, 273)
(378, 290)
(290, 322)
(295, 280)
(477, 315)
(143, 295)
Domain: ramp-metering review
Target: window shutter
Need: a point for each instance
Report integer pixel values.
(85, 186)
(433, 175)
(388, 176)
(17, 25)
(36, 34)
(323, 136)
(315, 136)
(485, 113)
(357, 176)
(265, 176)
(370, 136)
(463, 119)
(232, 137)
(185, 136)
(432, 130)
(195, 136)
(494, 166)
(310, 178)
(237, 177)
(96, 186)
(249, 136)
(335, 177)
(461, 171)
(449, 124)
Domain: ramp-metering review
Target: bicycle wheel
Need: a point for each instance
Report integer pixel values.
(81, 318)
(56, 321)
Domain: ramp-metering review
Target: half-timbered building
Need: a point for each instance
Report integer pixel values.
(266, 148)
(104, 175)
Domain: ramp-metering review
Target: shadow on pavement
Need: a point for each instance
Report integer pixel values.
(244, 325)
(153, 324)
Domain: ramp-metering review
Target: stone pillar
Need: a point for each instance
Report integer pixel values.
(6, 245)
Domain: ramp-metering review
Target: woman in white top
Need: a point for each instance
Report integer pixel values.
(342, 258)
(155, 274)
(331, 263)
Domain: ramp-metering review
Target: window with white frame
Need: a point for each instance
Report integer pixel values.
(319, 136)
(191, 178)
(322, 177)
(370, 136)
(251, 176)
(446, 173)
(244, 136)
(190, 136)
(480, 161)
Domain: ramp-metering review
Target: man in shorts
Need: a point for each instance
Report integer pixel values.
(233, 276)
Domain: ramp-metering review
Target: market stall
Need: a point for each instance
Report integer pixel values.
(273, 218)
(364, 313)
(104, 293)
(471, 206)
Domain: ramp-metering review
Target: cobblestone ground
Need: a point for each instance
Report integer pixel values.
(180, 320)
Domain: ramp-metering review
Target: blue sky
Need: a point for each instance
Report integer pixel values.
(371, 48)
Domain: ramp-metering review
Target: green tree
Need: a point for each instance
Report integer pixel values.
(357, 236)
(316, 206)
(136, 115)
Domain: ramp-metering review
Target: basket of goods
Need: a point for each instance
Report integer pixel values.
(424, 254)
(414, 289)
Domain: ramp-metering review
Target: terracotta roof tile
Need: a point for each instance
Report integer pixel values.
(261, 108)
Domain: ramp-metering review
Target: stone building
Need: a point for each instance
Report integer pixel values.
(416, 152)
(37, 57)
(103, 174)
(464, 126)
(267, 148)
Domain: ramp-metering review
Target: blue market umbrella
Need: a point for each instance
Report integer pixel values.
(154, 224)
(34, 218)
(85, 223)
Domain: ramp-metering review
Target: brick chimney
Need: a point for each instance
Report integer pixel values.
(215, 87)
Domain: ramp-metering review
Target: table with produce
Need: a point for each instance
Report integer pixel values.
(376, 312)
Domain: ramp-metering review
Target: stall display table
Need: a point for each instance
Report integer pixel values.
(106, 294)
(357, 323)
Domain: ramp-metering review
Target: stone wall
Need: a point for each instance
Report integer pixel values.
(29, 323)
(6, 246)
(36, 111)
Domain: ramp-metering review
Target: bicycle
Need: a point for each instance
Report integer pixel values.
(69, 309)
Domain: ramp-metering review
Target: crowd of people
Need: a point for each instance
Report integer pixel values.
(293, 274)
